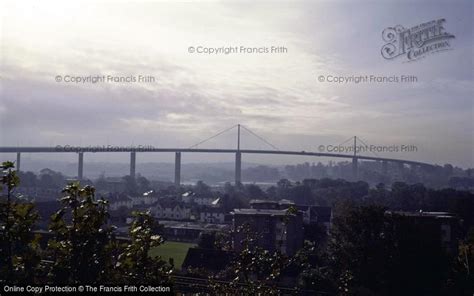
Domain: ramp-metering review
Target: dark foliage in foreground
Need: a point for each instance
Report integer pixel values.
(368, 253)
(82, 248)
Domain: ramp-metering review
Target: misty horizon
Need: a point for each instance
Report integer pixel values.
(198, 90)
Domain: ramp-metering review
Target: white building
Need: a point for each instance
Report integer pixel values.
(132, 202)
(173, 211)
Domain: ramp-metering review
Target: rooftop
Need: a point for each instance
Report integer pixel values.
(257, 201)
(193, 225)
(423, 214)
(266, 212)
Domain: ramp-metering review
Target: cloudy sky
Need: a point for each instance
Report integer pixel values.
(196, 95)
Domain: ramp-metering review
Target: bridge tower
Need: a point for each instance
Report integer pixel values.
(80, 167)
(177, 169)
(401, 170)
(238, 159)
(384, 168)
(354, 161)
(18, 160)
(133, 161)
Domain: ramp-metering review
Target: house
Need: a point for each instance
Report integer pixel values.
(170, 209)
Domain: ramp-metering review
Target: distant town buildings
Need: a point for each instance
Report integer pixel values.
(184, 217)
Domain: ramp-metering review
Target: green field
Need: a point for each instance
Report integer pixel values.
(175, 250)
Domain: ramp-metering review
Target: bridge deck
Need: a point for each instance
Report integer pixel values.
(65, 149)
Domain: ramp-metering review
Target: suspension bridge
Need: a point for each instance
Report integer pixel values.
(354, 156)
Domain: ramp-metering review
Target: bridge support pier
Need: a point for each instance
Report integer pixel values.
(177, 169)
(133, 160)
(355, 169)
(80, 167)
(18, 160)
(401, 169)
(384, 168)
(238, 167)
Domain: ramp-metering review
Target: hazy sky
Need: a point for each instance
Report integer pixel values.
(196, 95)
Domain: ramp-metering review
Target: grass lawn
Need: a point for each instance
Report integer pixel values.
(175, 250)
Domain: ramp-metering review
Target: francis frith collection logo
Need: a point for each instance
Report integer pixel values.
(416, 42)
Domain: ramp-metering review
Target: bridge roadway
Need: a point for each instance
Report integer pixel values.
(238, 156)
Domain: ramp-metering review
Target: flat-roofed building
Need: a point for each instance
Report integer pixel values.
(440, 227)
(272, 229)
